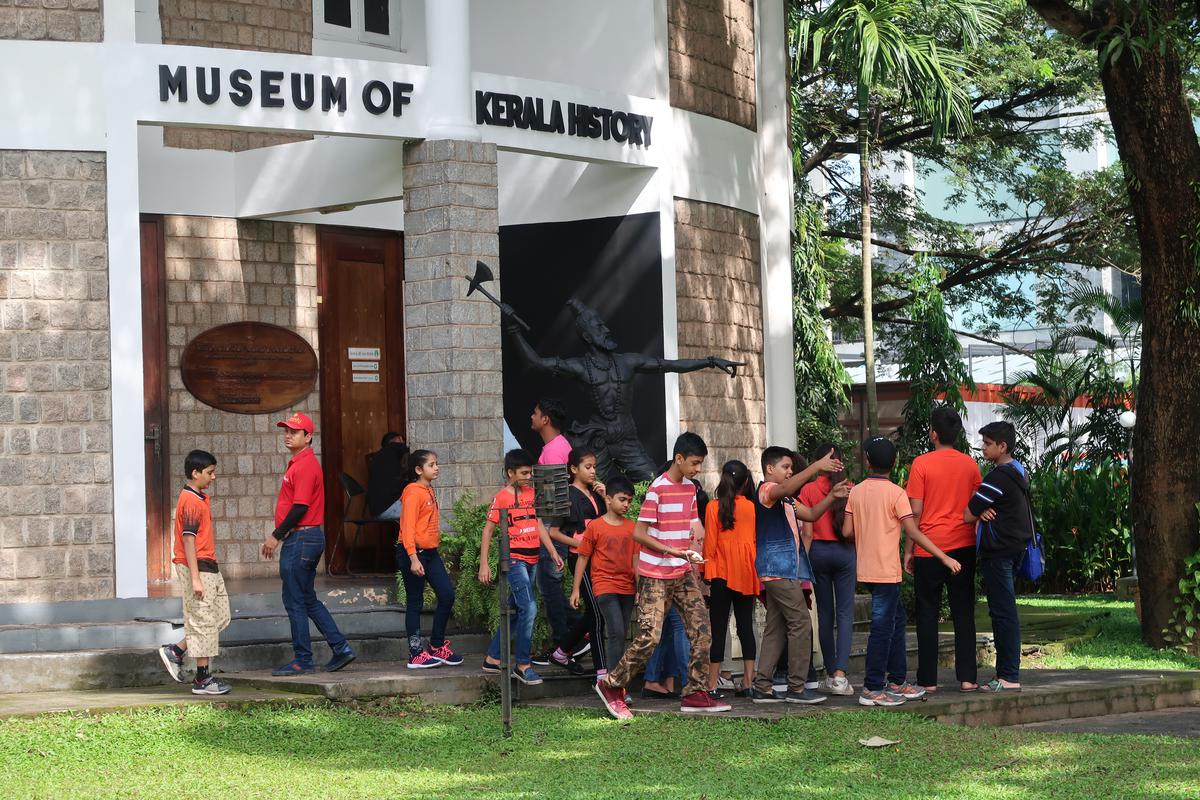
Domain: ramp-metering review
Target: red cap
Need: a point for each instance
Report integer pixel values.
(297, 422)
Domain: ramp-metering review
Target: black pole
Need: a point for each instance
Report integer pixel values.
(505, 625)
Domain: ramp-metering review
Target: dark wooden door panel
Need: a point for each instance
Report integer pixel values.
(154, 366)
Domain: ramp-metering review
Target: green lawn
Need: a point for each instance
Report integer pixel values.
(1089, 632)
(326, 752)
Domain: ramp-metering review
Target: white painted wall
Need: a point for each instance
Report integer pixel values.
(608, 45)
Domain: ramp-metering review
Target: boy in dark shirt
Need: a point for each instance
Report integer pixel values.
(1001, 505)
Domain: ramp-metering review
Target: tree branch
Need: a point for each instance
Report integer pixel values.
(967, 334)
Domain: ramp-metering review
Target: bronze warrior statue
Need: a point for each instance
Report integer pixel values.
(609, 377)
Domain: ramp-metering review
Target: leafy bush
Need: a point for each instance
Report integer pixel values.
(1185, 622)
(1083, 514)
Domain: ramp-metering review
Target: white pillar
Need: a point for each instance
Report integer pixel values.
(125, 338)
(448, 39)
(775, 221)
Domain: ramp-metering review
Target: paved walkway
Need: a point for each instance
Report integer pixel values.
(1184, 722)
(28, 704)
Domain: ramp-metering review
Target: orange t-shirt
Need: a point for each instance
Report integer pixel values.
(944, 481)
(729, 554)
(523, 538)
(193, 517)
(878, 506)
(812, 493)
(419, 523)
(611, 555)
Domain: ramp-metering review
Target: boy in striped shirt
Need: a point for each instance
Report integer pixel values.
(666, 524)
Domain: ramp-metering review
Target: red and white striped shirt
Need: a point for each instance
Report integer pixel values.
(670, 510)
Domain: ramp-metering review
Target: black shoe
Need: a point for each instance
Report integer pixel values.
(654, 694)
(490, 667)
(210, 685)
(338, 661)
(542, 661)
(765, 697)
(172, 661)
(808, 697)
(290, 669)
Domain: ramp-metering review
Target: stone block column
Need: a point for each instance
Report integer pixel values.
(452, 341)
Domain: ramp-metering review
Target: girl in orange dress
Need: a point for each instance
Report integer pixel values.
(729, 551)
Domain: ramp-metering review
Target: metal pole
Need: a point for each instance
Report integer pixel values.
(505, 625)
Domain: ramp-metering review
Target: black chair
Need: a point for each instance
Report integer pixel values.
(355, 490)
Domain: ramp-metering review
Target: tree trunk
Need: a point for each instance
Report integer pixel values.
(868, 289)
(1159, 149)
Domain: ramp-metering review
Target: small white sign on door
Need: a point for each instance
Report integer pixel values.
(364, 353)
(364, 366)
(365, 377)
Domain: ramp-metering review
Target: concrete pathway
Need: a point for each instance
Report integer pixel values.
(28, 704)
(1184, 722)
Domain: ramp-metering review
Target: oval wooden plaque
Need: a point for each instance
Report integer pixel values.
(249, 368)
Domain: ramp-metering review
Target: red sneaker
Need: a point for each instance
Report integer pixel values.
(614, 700)
(702, 703)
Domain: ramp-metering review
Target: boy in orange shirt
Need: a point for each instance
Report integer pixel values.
(205, 601)
(608, 554)
(419, 562)
(940, 485)
(525, 534)
(876, 513)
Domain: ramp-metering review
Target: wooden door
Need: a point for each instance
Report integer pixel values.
(361, 329)
(154, 371)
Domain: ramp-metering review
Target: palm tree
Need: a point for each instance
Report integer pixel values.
(1126, 317)
(877, 44)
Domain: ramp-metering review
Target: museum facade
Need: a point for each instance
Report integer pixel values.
(214, 213)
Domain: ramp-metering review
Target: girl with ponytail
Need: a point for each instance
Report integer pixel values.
(419, 562)
(729, 550)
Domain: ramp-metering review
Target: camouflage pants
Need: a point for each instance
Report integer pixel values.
(654, 597)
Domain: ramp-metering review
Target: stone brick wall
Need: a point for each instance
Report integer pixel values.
(226, 270)
(56, 525)
(54, 20)
(720, 313)
(268, 26)
(710, 47)
(452, 342)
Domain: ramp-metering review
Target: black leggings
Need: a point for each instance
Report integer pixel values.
(589, 622)
(720, 600)
(616, 611)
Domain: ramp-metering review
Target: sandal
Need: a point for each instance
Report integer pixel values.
(996, 686)
(968, 689)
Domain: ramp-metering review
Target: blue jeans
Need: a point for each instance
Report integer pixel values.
(835, 569)
(1002, 608)
(414, 596)
(887, 650)
(549, 580)
(520, 598)
(670, 658)
(298, 557)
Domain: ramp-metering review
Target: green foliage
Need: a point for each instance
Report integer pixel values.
(639, 494)
(1185, 622)
(931, 360)
(475, 605)
(820, 378)
(1083, 514)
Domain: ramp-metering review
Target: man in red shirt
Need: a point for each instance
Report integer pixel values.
(299, 512)
(940, 485)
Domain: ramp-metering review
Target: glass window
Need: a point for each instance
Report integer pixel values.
(375, 16)
(337, 12)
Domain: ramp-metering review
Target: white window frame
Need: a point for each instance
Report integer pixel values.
(356, 32)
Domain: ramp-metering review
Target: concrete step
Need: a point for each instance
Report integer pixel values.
(258, 596)
(254, 626)
(459, 685)
(132, 667)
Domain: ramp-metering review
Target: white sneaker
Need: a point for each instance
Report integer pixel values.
(839, 685)
(724, 683)
(812, 685)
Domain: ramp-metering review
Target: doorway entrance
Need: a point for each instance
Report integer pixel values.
(154, 366)
(360, 320)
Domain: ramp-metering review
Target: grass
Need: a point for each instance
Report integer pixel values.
(337, 752)
(1091, 632)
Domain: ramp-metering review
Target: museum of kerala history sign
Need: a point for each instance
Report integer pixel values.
(249, 368)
